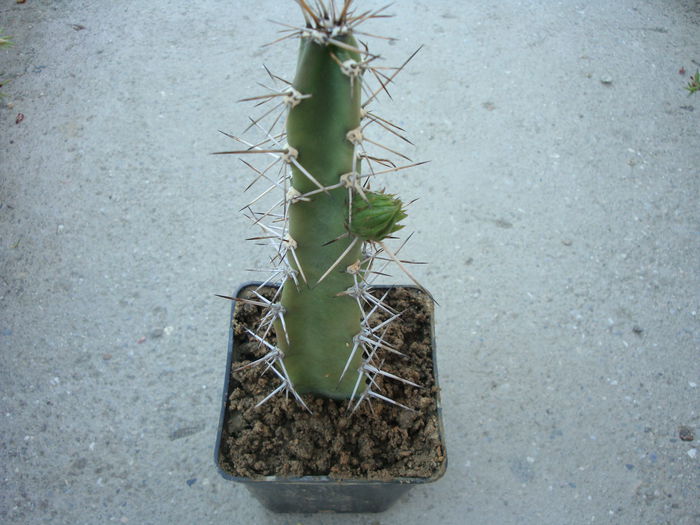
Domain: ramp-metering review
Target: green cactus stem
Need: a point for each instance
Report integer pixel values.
(332, 226)
(320, 321)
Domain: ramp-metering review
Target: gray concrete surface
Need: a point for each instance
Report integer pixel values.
(559, 214)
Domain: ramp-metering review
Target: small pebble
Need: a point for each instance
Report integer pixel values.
(693, 452)
(606, 79)
(157, 332)
(106, 357)
(686, 434)
(191, 482)
(567, 242)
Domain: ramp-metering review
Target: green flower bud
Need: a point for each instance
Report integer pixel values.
(377, 217)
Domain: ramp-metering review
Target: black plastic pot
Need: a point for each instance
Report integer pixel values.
(311, 494)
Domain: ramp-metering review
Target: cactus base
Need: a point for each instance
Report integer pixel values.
(280, 485)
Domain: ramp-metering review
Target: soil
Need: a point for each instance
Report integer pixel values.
(378, 441)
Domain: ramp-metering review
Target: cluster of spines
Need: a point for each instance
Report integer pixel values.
(325, 23)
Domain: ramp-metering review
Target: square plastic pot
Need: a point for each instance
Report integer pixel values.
(310, 494)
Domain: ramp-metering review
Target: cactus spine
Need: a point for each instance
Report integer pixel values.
(333, 226)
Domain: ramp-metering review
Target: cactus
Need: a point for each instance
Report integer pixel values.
(332, 227)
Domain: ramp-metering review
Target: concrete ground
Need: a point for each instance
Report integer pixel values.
(559, 214)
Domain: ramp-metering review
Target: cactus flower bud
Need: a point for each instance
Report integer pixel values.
(377, 217)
